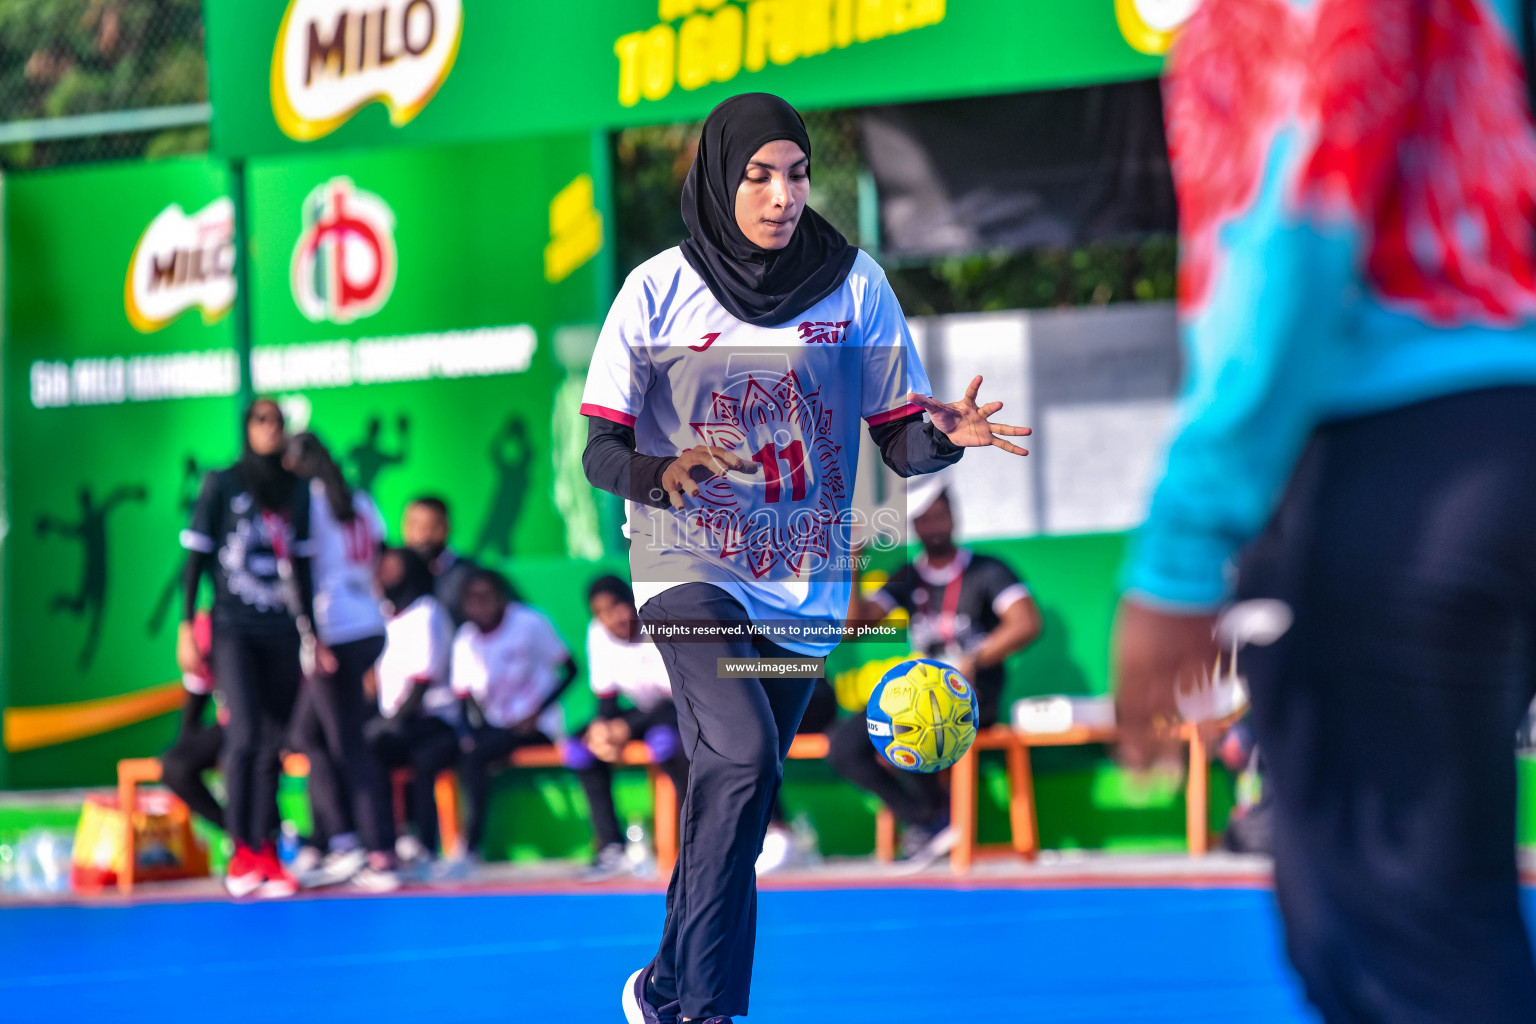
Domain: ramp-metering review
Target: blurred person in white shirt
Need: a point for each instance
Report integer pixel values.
(509, 669)
(621, 665)
(418, 713)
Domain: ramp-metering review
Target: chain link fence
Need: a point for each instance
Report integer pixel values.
(89, 80)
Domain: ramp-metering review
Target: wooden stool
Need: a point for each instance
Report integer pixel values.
(1022, 814)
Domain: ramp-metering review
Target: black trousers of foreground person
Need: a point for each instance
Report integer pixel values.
(348, 788)
(736, 734)
(1406, 547)
(259, 675)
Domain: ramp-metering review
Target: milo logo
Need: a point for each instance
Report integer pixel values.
(333, 57)
(182, 261)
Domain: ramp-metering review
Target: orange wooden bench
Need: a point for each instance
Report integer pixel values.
(1022, 819)
(963, 781)
(663, 795)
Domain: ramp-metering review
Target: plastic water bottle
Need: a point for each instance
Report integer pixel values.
(7, 868)
(637, 850)
(41, 862)
(288, 843)
(806, 842)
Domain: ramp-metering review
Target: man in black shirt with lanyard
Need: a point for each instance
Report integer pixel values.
(968, 610)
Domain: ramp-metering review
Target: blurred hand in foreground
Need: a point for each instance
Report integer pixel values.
(1154, 652)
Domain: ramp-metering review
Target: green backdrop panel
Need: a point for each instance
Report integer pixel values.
(102, 445)
(466, 232)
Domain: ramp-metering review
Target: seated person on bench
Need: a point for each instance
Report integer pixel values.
(199, 738)
(620, 666)
(418, 713)
(968, 610)
(509, 670)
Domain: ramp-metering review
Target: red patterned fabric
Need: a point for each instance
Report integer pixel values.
(1412, 121)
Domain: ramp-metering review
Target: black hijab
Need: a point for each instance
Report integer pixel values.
(264, 476)
(763, 287)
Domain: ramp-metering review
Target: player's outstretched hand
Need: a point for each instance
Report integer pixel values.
(969, 426)
(1154, 652)
(680, 479)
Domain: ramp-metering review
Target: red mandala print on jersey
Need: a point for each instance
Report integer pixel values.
(788, 433)
(1362, 90)
(1226, 93)
(1454, 240)
(1417, 126)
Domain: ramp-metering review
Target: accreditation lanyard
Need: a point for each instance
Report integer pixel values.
(277, 532)
(948, 607)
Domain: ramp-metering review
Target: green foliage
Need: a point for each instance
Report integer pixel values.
(1127, 271)
(60, 58)
(651, 163)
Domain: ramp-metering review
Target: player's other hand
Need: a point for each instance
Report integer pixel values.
(680, 478)
(188, 658)
(1154, 652)
(968, 425)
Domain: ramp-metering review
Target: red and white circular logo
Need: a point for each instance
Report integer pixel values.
(344, 263)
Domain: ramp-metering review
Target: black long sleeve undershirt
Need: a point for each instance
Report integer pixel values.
(912, 446)
(198, 562)
(304, 581)
(191, 579)
(612, 464)
(909, 445)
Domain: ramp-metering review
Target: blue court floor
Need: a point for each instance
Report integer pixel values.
(869, 956)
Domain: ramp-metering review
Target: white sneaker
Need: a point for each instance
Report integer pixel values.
(636, 1009)
(337, 867)
(456, 869)
(306, 860)
(409, 849)
(611, 862)
(931, 852)
(375, 880)
(778, 849)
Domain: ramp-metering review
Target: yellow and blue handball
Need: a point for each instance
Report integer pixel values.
(922, 715)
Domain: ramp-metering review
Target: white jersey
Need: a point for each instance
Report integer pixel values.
(342, 557)
(419, 645)
(619, 668)
(511, 670)
(673, 364)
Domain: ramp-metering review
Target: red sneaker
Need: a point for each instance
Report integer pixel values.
(244, 874)
(278, 883)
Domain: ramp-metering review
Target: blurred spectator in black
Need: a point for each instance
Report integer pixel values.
(426, 532)
(970, 611)
(199, 737)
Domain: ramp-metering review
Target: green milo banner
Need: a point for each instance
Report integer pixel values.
(411, 307)
(120, 376)
(429, 313)
(345, 73)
